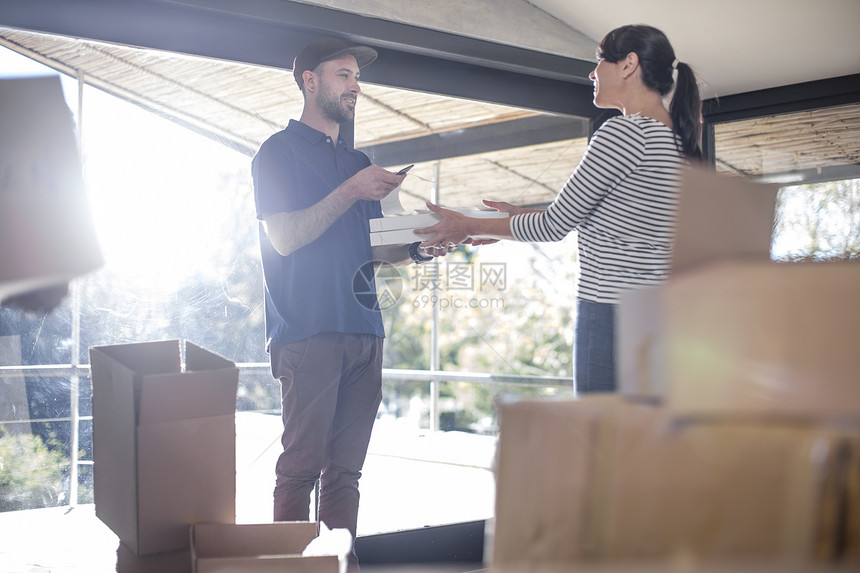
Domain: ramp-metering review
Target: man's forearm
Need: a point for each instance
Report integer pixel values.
(289, 232)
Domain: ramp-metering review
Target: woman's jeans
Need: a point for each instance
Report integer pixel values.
(594, 347)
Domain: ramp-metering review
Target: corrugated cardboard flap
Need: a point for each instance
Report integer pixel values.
(188, 395)
(114, 444)
(210, 540)
(145, 358)
(257, 548)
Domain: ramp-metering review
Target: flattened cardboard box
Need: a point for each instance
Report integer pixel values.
(164, 441)
(47, 236)
(257, 548)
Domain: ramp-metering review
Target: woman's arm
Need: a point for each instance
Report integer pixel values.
(456, 228)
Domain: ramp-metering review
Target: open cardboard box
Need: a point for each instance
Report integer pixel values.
(732, 332)
(47, 235)
(168, 562)
(164, 441)
(257, 548)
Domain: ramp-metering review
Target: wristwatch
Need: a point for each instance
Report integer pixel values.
(416, 256)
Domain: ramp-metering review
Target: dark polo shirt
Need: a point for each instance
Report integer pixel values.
(311, 290)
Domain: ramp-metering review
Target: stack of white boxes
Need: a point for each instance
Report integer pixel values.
(734, 441)
(399, 229)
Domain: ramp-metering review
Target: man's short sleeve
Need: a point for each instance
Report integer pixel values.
(274, 180)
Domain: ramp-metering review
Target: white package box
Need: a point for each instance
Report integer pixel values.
(398, 229)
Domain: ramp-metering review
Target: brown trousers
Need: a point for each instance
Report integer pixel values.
(331, 387)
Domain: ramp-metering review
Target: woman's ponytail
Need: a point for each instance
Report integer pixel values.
(686, 110)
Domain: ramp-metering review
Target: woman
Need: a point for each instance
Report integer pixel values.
(622, 196)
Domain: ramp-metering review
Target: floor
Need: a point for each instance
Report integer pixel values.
(412, 479)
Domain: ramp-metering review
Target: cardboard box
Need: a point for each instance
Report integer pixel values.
(398, 229)
(548, 490)
(170, 562)
(732, 332)
(720, 491)
(257, 548)
(848, 500)
(677, 565)
(721, 217)
(164, 441)
(740, 338)
(606, 481)
(46, 232)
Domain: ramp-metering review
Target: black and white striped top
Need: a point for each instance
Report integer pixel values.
(621, 199)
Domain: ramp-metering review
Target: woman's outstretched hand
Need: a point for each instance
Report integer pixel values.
(455, 228)
(451, 231)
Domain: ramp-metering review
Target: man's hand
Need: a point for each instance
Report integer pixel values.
(371, 183)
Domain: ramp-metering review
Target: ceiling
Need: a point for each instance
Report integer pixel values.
(471, 148)
(736, 45)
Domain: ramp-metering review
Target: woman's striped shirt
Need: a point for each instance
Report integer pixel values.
(621, 199)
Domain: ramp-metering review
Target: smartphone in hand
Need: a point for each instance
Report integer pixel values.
(405, 169)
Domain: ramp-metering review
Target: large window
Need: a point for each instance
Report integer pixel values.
(175, 219)
(813, 155)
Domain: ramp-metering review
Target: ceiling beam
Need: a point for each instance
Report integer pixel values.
(805, 96)
(272, 32)
(811, 175)
(482, 139)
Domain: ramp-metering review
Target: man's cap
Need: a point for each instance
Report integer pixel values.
(325, 49)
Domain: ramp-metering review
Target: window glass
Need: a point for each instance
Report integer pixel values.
(818, 222)
(175, 219)
(813, 155)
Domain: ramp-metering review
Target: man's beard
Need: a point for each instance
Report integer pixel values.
(332, 106)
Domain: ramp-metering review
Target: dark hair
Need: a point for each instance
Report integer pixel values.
(657, 62)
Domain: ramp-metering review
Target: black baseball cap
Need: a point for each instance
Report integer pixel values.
(325, 49)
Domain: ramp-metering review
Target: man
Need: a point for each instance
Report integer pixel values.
(314, 195)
